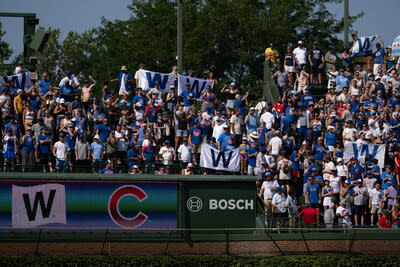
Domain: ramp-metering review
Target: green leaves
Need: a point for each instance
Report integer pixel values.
(227, 37)
(5, 50)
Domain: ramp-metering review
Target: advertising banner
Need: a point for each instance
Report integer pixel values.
(88, 204)
(218, 207)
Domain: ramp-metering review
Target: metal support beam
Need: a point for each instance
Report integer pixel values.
(179, 46)
(346, 22)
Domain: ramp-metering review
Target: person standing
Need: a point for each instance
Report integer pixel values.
(330, 59)
(124, 81)
(60, 152)
(82, 154)
(28, 148)
(300, 54)
(97, 152)
(267, 191)
(316, 60)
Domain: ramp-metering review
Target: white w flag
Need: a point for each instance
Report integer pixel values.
(38, 205)
(148, 79)
(364, 46)
(196, 85)
(21, 80)
(396, 47)
(360, 152)
(212, 158)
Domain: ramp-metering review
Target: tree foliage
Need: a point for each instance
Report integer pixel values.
(227, 37)
(5, 50)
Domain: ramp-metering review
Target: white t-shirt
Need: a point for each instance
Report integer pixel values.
(237, 124)
(122, 142)
(334, 182)
(280, 201)
(268, 118)
(275, 144)
(341, 170)
(186, 152)
(370, 183)
(218, 130)
(61, 150)
(376, 196)
(167, 153)
(300, 55)
(267, 186)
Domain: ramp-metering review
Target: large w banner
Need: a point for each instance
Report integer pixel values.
(21, 80)
(360, 152)
(148, 79)
(364, 46)
(196, 85)
(38, 205)
(212, 158)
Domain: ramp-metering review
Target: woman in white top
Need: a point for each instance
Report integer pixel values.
(267, 192)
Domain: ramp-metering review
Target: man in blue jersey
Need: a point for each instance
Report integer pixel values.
(108, 169)
(379, 56)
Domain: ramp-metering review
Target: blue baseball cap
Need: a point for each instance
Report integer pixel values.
(212, 139)
(166, 141)
(330, 46)
(108, 161)
(279, 189)
(197, 120)
(61, 135)
(189, 71)
(267, 174)
(388, 167)
(69, 72)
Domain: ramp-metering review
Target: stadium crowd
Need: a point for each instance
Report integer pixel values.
(294, 146)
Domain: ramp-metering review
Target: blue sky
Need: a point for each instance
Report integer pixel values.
(80, 15)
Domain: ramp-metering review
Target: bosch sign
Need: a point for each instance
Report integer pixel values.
(231, 204)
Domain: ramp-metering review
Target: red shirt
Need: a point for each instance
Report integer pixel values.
(385, 222)
(310, 215)
(279, 107)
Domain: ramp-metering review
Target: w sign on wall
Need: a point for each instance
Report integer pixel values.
(38, 205)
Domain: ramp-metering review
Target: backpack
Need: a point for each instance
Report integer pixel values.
(286, 168)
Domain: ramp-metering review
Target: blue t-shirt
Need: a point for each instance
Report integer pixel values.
(386, 184)
(357, 170)
(313, 191)
(104, 132)
(261, 130)
(376, 169)
(342, 81)
(285, 124)
(107, 171)
(15, 128)
(240, 105)
(252, 160)
(44, 148)
(186, 94)
(140, 101)
(27, 146)
(251, 124)
(97, 150)
(354, 106)
(67, 93)
(307, 99)
(44, 86)
(148, 154)
(319, 151)
(295, 165)
(330, 139)
(132, 153)
(196, 134)
(394, 122)
(379, 56)
(308, 172)
(223, 139)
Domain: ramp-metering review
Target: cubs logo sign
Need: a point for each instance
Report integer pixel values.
(114, 212)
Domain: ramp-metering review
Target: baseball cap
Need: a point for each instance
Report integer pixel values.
(108, 161)
(300, 42)
(69, 72)
(212, 139)
(97, 136)
(232, 84)
(196, 120)
(267, 174)
(388, 167)
(190, 165)
(330, 46)
(61, 135)
(135, 166)
(166, 141)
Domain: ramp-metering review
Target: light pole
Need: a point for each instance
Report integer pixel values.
(346, 22)
(179, 46)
